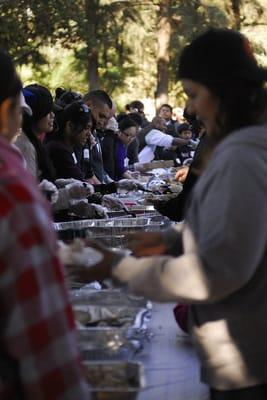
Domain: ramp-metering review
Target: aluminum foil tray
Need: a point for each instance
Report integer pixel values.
(111, 316)
(160, 221)
(108, 227)
(141, 208)
(82, 224)
(118, 214)
(119, 227)
(111, 297)
(131, 222)
(115, 380)
(107, 223)
(105, 343)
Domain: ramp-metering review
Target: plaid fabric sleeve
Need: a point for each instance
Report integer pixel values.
(39, 358)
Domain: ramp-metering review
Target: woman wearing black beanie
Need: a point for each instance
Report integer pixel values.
(40, 122)
(221, 265)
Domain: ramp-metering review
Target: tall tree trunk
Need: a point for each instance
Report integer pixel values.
(163, 56)
(92, 43)
(236, 4)
(93, 74)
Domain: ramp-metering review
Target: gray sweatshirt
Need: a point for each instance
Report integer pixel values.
(223, 270)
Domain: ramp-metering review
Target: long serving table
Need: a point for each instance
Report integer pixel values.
(171, 365)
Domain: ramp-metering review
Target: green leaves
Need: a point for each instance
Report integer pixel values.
(124, 33)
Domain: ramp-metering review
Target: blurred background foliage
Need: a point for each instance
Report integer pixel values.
(130, 48)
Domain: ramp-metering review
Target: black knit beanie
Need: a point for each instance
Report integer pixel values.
(39, 99)
(220, 55)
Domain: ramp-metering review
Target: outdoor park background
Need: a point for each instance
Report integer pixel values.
(129, 48)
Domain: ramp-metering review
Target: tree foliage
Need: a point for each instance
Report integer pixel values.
(113, 43)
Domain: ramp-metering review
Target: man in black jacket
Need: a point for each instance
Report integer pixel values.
(101, 107)
(165, 112)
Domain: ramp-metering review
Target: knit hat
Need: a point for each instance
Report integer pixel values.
(220, 55)
(39, 99)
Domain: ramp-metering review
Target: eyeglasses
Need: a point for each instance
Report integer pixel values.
(84, 108)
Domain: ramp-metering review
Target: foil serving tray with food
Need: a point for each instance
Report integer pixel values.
(138, 210)
(110, 297)
(109, 227)
(104, 223)
(115, 380)
(108, 343)
(98, 315)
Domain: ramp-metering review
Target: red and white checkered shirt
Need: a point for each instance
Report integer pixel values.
(39, 358)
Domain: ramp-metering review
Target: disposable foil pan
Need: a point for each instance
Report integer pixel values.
(110, 227)
(131, 222)
(106, 343)
(117, 316)
(82, 224)
(111, 297)
(115, 380)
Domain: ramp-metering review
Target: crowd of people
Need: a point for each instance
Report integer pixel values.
(75, 146)
(80, 138)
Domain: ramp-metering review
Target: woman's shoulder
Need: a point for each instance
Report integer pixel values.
(247, 140)
(22, 140)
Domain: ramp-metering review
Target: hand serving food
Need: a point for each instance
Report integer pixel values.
(147, 244)
(78, 270)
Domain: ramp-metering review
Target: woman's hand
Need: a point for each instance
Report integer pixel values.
(147, 244)
(182, 174)
(97, 272)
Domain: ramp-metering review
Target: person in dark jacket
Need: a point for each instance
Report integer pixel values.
(115, 149)
(101, 106)
(165, 112)
(185, 153)
(132, 149)
(74, 125)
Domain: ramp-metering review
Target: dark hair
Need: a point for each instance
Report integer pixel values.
(10, 84)
(77, 113)
(189, 116)
(45, 165)
(136, 104)
(167, 106)
(137, 118)
(183, 127)
(241, 104)
(41, 102)
(39, 99)
(126, 122)
(98, 95)
(64, 97)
